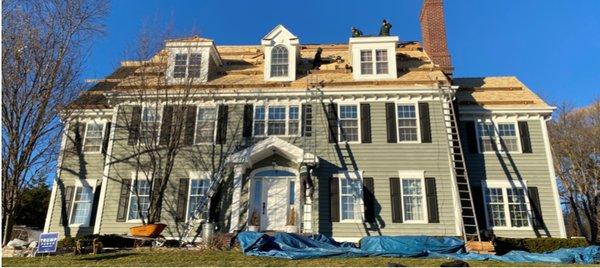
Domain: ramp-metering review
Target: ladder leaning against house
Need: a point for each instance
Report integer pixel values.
(469, 218)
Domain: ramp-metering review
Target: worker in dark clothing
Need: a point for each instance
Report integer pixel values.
(356, 32)
(385, 28)
(317, 61)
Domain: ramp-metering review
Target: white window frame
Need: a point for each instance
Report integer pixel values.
(188, 55)
(495, 123)
(160, 111)
(214, 137)
(417, 174)
(134, 178)
(504, 185)
(359, 209)
(358, 119)
(101, 122)
(287, 119)
(271, 64)
(374, 62)
(80, 184)
(189, 197)
(418, 122)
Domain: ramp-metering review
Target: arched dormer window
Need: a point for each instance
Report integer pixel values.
(279, 61)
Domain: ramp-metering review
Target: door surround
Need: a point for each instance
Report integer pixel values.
(257, 201)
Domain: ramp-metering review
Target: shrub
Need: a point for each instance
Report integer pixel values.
(67, 242)
(537, 245)
(115, 241)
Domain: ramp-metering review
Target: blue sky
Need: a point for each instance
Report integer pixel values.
(551, 45)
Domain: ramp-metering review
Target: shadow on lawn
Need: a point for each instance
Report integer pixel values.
(109, 256)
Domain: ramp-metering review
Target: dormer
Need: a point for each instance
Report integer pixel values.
(281, 53)
(373, 57)
(191, 60)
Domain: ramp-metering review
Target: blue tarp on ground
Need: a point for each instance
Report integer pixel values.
(294, 246)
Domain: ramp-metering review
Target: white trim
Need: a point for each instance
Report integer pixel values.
(267, 147)
(266, 106)
(59, 162)
(238, 172)
(104, 184)
(414, 174)
(504, 185)
(85, 133)
(356, 175)
(358, 120)
(553, 182)
(496, 140)
(418, 121)
(79, 184)
(216, 123)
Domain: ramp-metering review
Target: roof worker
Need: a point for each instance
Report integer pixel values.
(317, 60)
(385, 28)
(356, 32)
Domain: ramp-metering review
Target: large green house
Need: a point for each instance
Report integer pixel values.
(370, 137)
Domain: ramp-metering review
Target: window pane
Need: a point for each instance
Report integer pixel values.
(143, 194)
(194, 65)
(495, 201)
(93, 137)
(205, 124)
(407, 122)
(381, 61)
(180, 66)
(279, 61)
(198, 188)
(517, 207)
(366, 62)
(82, 204)
(292, 192)
(412, 197)
(349, 197)
(259, 123)
(276, 125)
(348, 123)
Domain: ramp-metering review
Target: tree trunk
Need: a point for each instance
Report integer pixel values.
(8, 228)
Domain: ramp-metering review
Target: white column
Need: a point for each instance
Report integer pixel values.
(238, 173)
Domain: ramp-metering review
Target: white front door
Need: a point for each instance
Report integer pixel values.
(275, 203)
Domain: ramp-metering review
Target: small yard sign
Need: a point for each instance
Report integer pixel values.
(47, 243)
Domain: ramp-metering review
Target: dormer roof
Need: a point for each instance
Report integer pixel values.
(278, 35)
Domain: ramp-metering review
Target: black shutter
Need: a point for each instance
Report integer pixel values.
(471, 136)
(369, 199)
(332, 120)
(134, 126)
(248, 117)
(365, 122)
(222, 124)
(396, 199)
(166, 125)
(432, 203)
(94, 210)
(156, 184)
(525, 139)
(390, 119)
(124, 200)
(334, 199)
(425, 122)
(307, 117)
(107, 128)
(66, 213)
(190, 125)
(479, 204)
(534, 202)
(182, 198)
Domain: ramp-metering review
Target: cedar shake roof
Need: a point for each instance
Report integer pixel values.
(496, 92)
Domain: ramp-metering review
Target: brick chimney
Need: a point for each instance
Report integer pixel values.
(433, 30)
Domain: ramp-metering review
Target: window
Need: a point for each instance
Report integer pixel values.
(93, 137)
(350, 198)
(141, 190)
(279, 62)
(413, 200)
(187, 65)
(493, 136)
(292, 192)
(205, 124)
(407, 122)
(276, 125)
(348, 123)
(198, 189)
(381, 61)
(379, 66)
(82, 205)
(506, 206)
(366, 62)
(150, 124)
(277, 120)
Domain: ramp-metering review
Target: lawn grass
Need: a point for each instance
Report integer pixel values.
(178, 257)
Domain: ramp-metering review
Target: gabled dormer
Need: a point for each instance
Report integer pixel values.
(373, 57)
(281, 53)
(191, 60)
